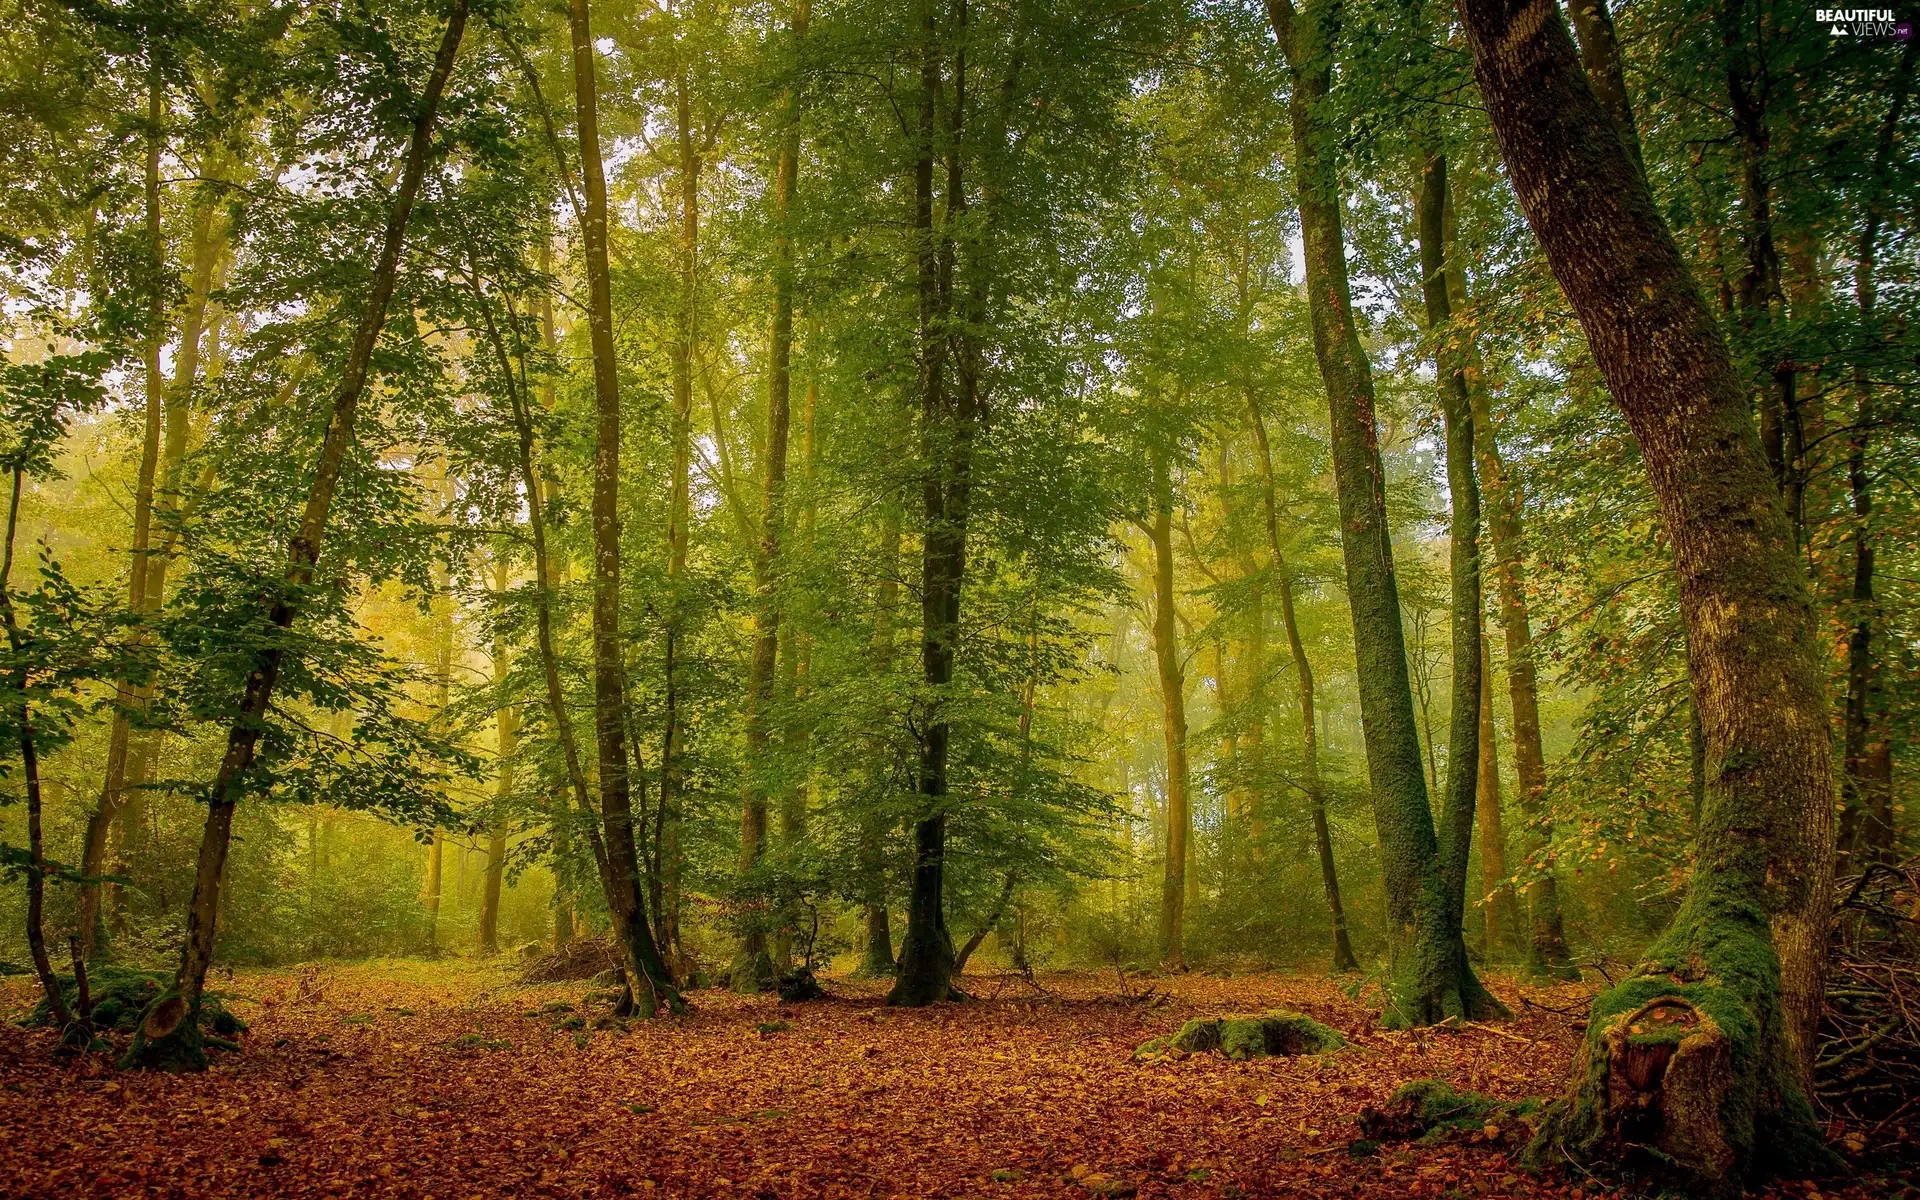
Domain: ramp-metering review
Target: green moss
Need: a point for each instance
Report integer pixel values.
(1434, 1110)
(122, 996)
(1735, 1113)
(1241, 1038)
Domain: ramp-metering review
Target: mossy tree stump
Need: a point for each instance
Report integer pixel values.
(1685, 1077)
(1273, 1035)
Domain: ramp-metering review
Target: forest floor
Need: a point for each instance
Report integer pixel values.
(447, 1080)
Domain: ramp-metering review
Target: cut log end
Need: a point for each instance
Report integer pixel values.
(164, 1017)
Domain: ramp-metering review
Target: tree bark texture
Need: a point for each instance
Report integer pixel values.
(1430, 977)
(1704, 1052)
(648, 978)
(170, 1035)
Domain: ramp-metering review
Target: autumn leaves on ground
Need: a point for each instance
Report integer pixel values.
(407, 1079)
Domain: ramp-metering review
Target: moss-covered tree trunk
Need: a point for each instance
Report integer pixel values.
(1696, 1055)
(1546, 956)
(648, 978)
(1430, 977)
(169, 1035)
(1463, 536)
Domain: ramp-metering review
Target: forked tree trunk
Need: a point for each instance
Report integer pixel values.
(1173, 720)
(1463, 737)
(1430, 978)
(169, 1034)
(1343, 958)
(1703, 1052)
(647, 977)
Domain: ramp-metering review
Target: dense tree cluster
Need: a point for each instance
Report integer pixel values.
(1409, 489)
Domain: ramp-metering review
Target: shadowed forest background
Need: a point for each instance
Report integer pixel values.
(934, 498)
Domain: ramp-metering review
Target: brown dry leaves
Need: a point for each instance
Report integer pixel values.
(410, 1080)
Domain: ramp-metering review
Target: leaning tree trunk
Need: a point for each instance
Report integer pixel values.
(169, 1034)
(1701, 1056)
(1343, 958)
(648, 979)
(1430, 979)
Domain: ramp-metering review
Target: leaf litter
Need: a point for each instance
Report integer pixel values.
(449, 1080)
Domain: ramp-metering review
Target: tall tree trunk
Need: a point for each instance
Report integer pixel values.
(1727, 1095)
(753, 969)
(1173, 719)
(924, 973)
(1547, 957)
(1431, 979)
(442, 687)
(22, 716)
(1606, 69)
(648, 978)
(679, 503)
(545, 580)
(1463, 736)
(1502, 909)
(1867, 813)
(1343, 958)
(172, 504)
(170, 1033)
(1761, 298)
(129, 694)
(876, 958)
(506, 726)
